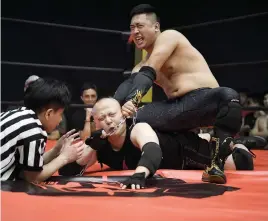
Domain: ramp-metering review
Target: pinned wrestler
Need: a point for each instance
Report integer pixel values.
(194, 96)
(138, 147)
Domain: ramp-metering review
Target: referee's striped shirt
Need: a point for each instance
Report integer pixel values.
(23, 140)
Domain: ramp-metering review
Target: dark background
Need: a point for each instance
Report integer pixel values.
(239, 41)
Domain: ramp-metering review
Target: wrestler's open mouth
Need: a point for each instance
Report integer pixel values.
(111, 129)
(139, 40)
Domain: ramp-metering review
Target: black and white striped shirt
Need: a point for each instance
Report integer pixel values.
(23, 140)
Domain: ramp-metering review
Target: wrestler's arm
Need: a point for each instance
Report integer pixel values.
(94, 143)
(137, 67)
(144, 137)
(88, 158)
(123, 89)
(164, 46)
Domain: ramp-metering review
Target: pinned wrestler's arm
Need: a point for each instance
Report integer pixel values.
(89, 157)
(144, 137)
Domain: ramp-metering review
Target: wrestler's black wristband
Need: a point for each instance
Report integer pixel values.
(142, 82)
(71, 169)
(136, 179)
(123, 90)
(95, 141)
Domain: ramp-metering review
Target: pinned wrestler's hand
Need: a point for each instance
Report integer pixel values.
(128, 109)
(136, 181)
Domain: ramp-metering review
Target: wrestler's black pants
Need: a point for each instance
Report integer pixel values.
(183, 151)
(196, 152)
(218, 107)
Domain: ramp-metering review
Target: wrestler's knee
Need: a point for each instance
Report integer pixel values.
(143, 133)
(229, 116)
(228, 94)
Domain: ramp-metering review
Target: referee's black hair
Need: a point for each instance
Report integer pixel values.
(47, 93)
(144, 9)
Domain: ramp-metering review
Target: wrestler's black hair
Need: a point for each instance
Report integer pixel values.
(47, 93)
(87, 86)
(144, 8)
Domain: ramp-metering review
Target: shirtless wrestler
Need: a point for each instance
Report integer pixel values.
(194, 96)
(140, 148)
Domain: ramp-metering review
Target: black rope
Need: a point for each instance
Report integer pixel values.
(12, 102)
(62, 26)
(81, 105)
(127, 73)
(62, 66)
(220, 21)
(239, 63)
(255, 108)
(20, 103)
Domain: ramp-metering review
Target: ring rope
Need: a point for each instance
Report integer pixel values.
(127, 73)
(62, 26)
(90, 106)
(239, 63)
(62, 66)
(22, 103)
(220, 21)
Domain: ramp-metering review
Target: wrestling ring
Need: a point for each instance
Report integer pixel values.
(172, 194)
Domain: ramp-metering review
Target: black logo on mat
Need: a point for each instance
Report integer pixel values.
(109, 186)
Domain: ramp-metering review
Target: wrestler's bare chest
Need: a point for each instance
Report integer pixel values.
(166, 72)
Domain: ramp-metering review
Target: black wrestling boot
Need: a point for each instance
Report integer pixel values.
(225, 142)
(225, 150)
(213, 173)
(251, 142)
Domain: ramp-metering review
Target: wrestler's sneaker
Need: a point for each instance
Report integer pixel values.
(215, 173)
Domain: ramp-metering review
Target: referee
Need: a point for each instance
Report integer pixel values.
(24, 131)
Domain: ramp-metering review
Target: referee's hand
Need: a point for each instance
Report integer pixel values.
(62, 139)
(71, 149)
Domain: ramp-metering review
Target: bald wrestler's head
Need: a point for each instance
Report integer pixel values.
(107, 115)
(144, 26)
